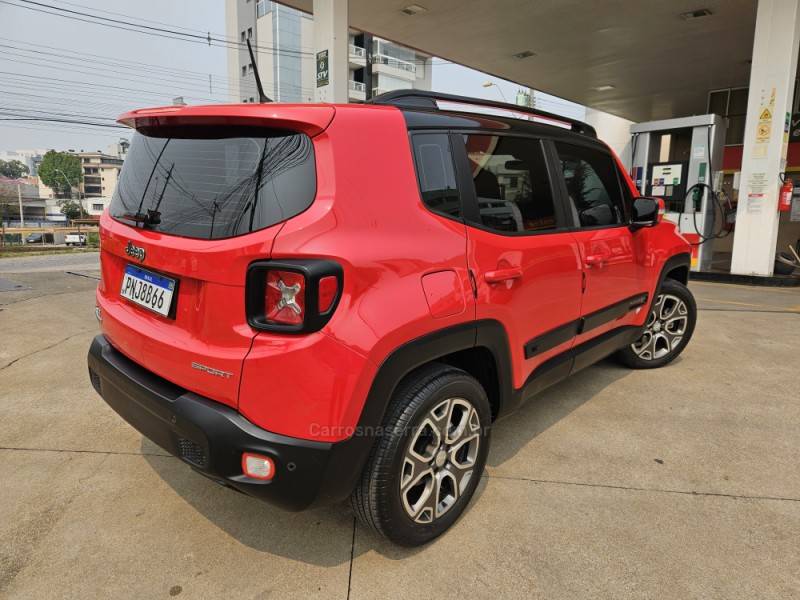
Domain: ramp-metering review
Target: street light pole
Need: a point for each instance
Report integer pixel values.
(19, 198)
(66, 179)
(489, 84)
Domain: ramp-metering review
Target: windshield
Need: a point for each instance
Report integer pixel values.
(214, 183)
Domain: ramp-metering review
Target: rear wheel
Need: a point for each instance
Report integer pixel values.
(667, 331)
(425, 467)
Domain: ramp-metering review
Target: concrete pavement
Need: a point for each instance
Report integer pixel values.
(673, 483)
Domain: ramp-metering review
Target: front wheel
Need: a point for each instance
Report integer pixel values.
(667, 331)
(425, 467)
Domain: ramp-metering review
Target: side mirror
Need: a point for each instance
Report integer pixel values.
(645, 212)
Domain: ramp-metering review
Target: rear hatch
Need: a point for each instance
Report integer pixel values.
(203, 193)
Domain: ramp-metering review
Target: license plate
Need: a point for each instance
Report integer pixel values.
(148, 289)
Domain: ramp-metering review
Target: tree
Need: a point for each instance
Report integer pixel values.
(71, 209)
(61, 171)
(13, 169)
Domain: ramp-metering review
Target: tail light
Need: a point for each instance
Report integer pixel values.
(297, 296)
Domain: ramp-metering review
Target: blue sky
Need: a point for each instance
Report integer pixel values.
(53, 64)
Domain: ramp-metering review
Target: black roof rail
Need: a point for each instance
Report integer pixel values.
(427, 100)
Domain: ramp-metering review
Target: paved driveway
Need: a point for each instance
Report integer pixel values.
(676, 483)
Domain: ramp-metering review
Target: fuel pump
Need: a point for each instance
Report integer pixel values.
(680, 161)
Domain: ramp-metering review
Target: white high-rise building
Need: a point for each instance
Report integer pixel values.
(282, 39)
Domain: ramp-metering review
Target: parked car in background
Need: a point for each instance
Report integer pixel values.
(39, 237)
(75, 239)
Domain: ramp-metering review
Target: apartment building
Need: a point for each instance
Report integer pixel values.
(284, 37)
(100, 174)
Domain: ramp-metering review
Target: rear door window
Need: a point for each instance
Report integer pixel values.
(212, 183)
(593, 186)
(512, 186)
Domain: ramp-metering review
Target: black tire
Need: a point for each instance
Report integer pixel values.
(653, 359)
(378, 501)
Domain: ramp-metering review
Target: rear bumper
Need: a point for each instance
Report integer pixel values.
(211, 437)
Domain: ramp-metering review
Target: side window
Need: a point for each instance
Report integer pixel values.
(593, 186)
(436, 174)
(511, 183)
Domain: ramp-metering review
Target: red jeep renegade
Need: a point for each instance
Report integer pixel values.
(309, 303)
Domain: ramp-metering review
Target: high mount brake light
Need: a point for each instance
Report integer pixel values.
(292, 296)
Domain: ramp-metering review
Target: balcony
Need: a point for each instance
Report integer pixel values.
(357, 56)
(395, 63)
(356, 90)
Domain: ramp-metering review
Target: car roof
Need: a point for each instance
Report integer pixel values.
(434, 110)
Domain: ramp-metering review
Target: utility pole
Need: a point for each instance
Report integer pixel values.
(19, 197)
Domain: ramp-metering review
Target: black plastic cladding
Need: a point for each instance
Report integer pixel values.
(313, 270)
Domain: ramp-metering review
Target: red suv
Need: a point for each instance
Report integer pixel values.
(313, 302)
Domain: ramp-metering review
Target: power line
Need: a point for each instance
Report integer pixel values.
(49, 127)
(49, 120)
(165, 32)
(51, 112)
(124, 63)
(111, 73)
(145, 29)
(117, 14)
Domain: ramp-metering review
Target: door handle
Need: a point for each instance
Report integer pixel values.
(595, 260)
(501, 275)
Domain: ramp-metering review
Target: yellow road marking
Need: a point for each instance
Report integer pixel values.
(795, 290)
(712, 300)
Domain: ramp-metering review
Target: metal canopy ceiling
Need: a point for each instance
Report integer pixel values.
(660, 64)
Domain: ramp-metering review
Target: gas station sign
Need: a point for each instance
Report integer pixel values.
(323, 72)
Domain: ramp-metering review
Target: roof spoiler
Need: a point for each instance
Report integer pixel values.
(429, 101)
(311, 119)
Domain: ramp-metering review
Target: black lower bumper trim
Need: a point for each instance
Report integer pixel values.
(210, 436)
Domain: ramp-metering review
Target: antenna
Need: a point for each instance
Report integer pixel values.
(262, 97)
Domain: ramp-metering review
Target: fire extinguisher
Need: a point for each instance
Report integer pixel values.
(785, 197)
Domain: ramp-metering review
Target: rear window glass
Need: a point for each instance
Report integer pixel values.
(212, 183)
(436, 175)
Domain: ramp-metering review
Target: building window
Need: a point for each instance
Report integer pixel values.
(97, 207)
(244, 71)
(250, 67)
(249, 33)
(244, 100)
(242, 35)
(252, 99)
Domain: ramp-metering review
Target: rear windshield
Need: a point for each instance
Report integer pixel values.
(212, 183)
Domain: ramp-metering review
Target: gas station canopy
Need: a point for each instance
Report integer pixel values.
(661, 58)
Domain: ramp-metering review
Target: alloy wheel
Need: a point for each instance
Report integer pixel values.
(440, 459)
(664, 330)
